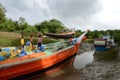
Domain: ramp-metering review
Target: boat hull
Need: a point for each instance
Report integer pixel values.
(49, 70)
(29, 67)
(63, 36)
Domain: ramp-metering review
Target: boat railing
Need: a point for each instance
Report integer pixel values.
(56, 46)
(55, 43)
(65, 41)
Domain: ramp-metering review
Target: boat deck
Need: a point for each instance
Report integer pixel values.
(50, 49)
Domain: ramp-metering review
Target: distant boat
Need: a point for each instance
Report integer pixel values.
(61, 35)
(103, 44)
(54, 53)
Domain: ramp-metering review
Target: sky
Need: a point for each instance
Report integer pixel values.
(75, 14)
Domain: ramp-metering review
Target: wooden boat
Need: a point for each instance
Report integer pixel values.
(105, 50)
(62, 35)
(102, 46)
(54, 53)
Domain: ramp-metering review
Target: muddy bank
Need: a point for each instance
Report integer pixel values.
(102, 71)
(96, 70)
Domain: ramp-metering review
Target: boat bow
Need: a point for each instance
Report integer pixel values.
(81, 36)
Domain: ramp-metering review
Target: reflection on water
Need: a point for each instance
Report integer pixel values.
(83, 59)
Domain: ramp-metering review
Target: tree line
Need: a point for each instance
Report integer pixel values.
(99, 34)
(8, 25)
(51, 26)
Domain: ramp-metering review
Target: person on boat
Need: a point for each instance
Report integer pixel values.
(31, 40)
(39, 41)
(22, 42)
(111, 42)
(70, 41)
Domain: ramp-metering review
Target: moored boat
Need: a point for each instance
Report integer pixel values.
(104, 44)
(62, 35)
(53, 54)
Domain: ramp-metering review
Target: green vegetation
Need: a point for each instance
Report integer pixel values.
(48, 26)
(16, 41)
(9, 42)
(107, 55)
(90, 40)
(11, 31)
(98, 34)
(8, 25)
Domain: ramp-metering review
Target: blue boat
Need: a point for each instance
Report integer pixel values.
(104, 44)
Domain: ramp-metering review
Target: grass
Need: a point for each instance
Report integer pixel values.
(107, 55)
(90, 40)
(9, 35)
(9, 42)
(5, 42)
(13, 39)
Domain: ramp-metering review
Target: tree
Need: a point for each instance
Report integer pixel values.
(22, 23)
(52, 26)
(42, 27)
(9, 26)
(2, 14)
(78, 33)
(55, 26)
(30, 29)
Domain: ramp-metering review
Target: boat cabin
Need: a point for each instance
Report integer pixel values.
(103, 44)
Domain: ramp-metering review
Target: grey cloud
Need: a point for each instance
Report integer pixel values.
(19, 4)
(32, 11)
(74, 8)
(73, 13)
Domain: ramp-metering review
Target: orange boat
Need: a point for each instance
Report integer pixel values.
(53, 54)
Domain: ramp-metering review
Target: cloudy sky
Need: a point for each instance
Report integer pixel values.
(75, 14)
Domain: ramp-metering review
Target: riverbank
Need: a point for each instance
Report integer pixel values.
(102, 70)
(97, 70)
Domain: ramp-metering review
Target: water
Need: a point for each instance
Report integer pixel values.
(70, 67)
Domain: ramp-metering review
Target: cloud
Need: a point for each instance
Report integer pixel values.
(78, 14)
(74, 13)
(31, 10)
(74, 8)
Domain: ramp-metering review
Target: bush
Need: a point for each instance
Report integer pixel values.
(9, 42)
(90, 40)
(5, 42)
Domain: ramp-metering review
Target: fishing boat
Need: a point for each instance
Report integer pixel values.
(104, 45)
(105, 50)
(53, 53)
(62, 35)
